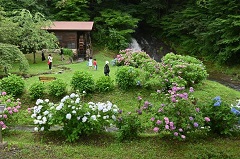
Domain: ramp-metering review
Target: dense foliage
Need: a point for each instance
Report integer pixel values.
(173, 69)
(202, 28)
(82, 81)
(13, 84)
(36, 90)
(74, 116)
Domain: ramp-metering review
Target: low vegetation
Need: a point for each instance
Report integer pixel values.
(183, 115)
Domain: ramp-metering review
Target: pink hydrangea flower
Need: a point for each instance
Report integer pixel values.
(159, 122)
(207, 119)
(152, 119)
(175, 133)
(156, 129)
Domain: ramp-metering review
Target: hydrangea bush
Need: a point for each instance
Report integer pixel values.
(178, 114)
(12, 107)
(183, 70)
(188, 68)
(74, 116)
(223, 117)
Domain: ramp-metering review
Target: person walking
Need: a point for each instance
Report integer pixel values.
(50, 59)
(95, 64)
(106, 69)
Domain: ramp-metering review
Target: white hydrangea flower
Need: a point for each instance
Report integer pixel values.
(36, 129)
(78, 118)
(87, 113)
(84, 92)
(105, 110)
(94, 117)
(100, 107)
(58, 107)
(84, 119)
(104, 117)
(39, 117)
(40, 122)
(114, 117)
(74, 112)
(35, 121)
(46, 112)
(98, 115)
(72, 95)
(73, 107)
(77, 100)
(50, 115)
(42, 129)
(115, 110)
(47, 100)
(39, 101)
(91, 103)
(44, 119)
(69, 116)
(33, 115)
(64, 98)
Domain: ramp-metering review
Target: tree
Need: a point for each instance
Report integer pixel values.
(114, 28)
(32, 35)
(9, 54)
(72, 10)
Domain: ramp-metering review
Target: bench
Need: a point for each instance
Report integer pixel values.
(46, 79)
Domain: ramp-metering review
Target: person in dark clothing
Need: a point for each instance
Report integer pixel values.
(43, 56)
(106, 69)
(62, 54)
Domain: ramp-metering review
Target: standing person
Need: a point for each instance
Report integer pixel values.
(61, 53)
(90, 64)
(43, 56)
(95, 64)
(50, 59)
(106, 69)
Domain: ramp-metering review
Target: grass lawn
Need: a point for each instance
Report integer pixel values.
(28, 145)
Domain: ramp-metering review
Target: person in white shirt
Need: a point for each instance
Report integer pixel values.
(90, 63)
(50, 59)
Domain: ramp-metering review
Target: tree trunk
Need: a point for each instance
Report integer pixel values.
(34, 57)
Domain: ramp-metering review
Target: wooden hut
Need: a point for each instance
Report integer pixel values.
(74, 35)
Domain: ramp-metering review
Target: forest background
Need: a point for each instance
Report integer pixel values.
(207, 29)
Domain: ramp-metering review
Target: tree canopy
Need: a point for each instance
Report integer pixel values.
(208, 28)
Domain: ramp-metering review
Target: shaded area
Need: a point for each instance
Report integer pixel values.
(224, 80)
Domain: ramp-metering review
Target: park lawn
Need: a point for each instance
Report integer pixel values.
(30, 145)
(25, 144)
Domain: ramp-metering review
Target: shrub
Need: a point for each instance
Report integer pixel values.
(37, 90)
(222, 120)
(13, 84)
(68, 52)
(126, 77)
(104, 83)
(186, 68)
(57, 88)
(12, 107)
(82, 81)
(178, 114)
(76, 117)
(129, 126)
